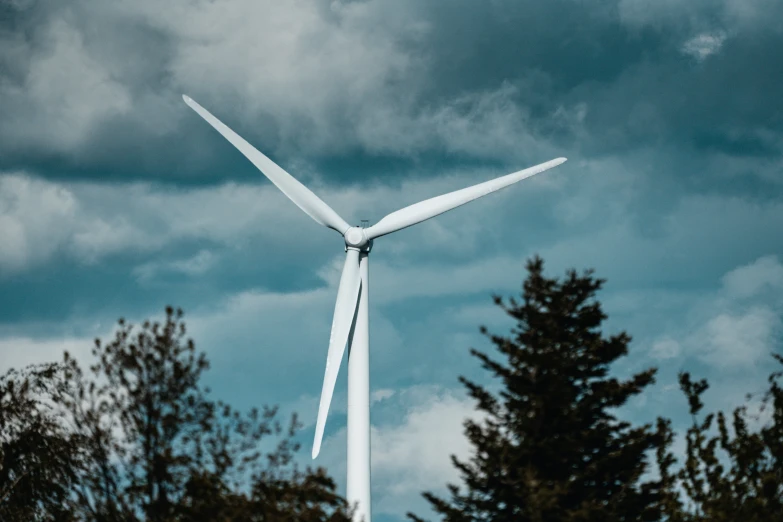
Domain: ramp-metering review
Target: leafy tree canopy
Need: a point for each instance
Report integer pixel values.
(136, 437)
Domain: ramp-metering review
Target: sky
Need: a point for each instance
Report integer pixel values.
(116, 199)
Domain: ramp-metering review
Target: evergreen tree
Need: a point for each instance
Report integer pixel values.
(550, 447)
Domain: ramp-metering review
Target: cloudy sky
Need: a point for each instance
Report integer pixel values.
(116, 199)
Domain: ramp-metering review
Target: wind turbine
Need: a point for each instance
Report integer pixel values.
(352, 306)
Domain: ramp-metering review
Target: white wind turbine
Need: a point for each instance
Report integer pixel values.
(351, 308)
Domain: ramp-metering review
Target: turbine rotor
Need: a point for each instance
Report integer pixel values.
(355, 237)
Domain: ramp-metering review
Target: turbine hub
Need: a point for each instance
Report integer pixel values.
(355, 237)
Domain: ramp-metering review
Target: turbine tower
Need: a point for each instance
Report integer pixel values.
(352, 306)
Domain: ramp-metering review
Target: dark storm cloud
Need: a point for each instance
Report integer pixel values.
(638, 83)
(92, 89)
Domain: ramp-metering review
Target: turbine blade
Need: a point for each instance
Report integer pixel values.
(296, 192)
(344, 311)
(432, 207)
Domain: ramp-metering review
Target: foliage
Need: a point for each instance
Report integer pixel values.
(39, 458)
(137, 438)
(551, 447)
(736, 473)
(146, 443)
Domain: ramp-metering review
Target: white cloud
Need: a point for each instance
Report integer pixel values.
(320, 77)
(354, 62)
(90, 221)
(732, 341)
(749, 280)
(732, 329)
(35, 220)
(704, 45)
(411, 454)
(665, 349)
(306, 64)
(18, 352)
(64, 94)
(381, 395)
(744, 319)
(414, 454)
(343, 58)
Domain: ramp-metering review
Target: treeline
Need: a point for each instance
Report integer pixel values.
(136, 436)
(551, 448)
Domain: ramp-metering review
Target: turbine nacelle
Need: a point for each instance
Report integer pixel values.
(355, 237)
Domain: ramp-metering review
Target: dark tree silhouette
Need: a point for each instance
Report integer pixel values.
(161, 450)
(550, 447)
(137, 438)
(736, 473)
(39, 458)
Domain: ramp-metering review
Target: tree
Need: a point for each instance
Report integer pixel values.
(734, 476)
(39, 458)
(550, 447)
(137, 438)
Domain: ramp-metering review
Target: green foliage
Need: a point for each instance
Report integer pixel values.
(550, 447)
(136, 437)
(146, 443)
(736, 473)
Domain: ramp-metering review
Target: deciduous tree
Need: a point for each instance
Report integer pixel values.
(732, 471)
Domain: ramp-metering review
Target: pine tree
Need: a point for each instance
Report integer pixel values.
(551, 447)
